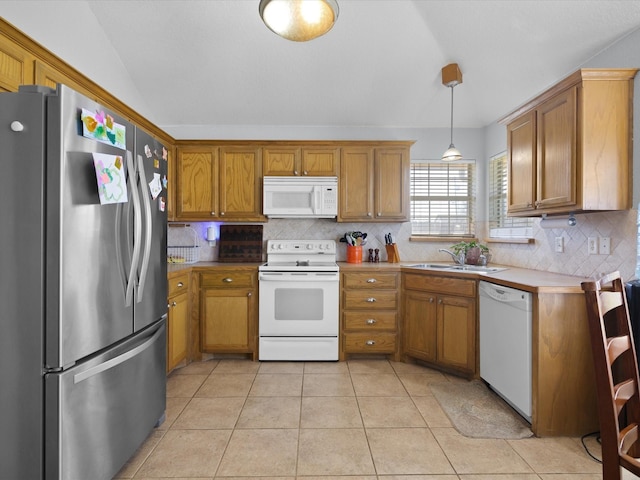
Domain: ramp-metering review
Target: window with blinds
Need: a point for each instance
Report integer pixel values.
(443, 198)
(500, 225)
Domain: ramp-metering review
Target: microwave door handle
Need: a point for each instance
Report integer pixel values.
(316, 200)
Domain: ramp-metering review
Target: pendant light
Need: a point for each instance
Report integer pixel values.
(451, 76)
(299, 20)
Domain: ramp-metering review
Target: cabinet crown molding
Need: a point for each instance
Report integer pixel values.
(590, 74)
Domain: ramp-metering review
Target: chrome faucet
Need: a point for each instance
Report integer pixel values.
(458, 259)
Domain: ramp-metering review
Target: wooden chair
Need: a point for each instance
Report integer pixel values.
(616, 367)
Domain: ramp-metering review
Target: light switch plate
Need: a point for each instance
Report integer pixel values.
(592, 245)
(605, 245)
(559, 244)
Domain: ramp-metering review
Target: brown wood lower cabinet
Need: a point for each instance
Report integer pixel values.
(178, 319)
(440, 322)
(564, 395)
(369, 312)
(228, 312)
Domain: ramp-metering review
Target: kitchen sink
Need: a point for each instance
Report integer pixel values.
(450, 267)
(434, 265)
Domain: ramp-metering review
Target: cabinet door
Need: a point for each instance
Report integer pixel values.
(420, 325)
(177, 332)
(226, 317)
(556, 151)
(391, 184)
(320, 161)
(240, 171)
(50, 77)
(196, 181)
(457, 332)
(356, 184)
(16, 66)
(281, 161)
(521, 148)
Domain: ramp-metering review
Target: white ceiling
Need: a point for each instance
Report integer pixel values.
(214, 62)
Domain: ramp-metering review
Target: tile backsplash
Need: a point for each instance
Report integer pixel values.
(619, 226)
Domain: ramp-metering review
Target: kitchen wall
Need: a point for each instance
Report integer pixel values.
(620, 226)
(539, 255)
(480, 144)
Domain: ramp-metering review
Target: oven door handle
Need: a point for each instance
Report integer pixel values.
(298, 277)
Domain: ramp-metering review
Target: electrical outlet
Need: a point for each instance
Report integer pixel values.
(559, 244)
(605, 245)
(592, 245)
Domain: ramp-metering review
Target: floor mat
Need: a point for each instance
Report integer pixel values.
(477, 412)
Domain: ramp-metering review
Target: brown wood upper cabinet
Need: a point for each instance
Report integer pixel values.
(374, 184)
(570, 148)
(219, 183)
(296, 160)
(16, 66)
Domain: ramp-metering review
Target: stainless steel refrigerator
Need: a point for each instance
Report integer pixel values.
(82, 286)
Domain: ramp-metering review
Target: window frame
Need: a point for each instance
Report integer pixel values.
(421, 229)
(499, 224)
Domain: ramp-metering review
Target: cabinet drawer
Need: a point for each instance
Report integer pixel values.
(372, 299)
(229, 279)
(367, 321)
(369, 342)
(370, 280)
(432, 283)
(178, 284)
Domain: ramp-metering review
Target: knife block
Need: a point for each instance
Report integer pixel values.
(392, 253)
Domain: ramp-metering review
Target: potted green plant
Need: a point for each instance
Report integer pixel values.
(472, 251)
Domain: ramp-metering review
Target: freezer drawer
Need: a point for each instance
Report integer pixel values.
(99, 412)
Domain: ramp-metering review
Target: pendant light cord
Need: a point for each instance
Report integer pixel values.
(451, 114)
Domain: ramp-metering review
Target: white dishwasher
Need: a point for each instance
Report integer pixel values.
(505, 343)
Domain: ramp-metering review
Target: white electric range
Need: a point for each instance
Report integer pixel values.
(299, 301)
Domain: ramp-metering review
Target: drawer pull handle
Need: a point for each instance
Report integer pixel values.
(249, 294)
(371, 321)
(371, 280)
(371, 299)
(370, 342)
(227, 280)
(213, 214)
(440, 302)
(430, 299)
(173, 304)
(180, 284)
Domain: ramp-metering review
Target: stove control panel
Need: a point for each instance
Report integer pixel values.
(301, 246)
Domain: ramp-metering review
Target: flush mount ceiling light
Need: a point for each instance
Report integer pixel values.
(451, 76)
(299, 20)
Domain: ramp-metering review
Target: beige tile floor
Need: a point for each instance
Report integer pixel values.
(363, 419)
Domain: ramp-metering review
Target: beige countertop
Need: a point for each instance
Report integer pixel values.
(535, 281)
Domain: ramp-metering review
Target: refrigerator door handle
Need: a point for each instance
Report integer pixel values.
(119, 246)
(137, 229)
(144, 268)
(93, 371)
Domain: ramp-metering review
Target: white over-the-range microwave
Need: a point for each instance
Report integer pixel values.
(300, 197)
